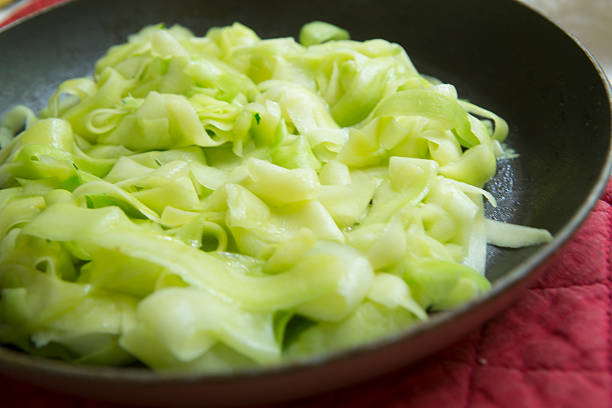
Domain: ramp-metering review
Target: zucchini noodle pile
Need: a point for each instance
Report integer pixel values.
(225, 202)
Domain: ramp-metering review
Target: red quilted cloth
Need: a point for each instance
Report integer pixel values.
(552, 348)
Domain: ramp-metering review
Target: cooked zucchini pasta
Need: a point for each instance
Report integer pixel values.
(225, 202)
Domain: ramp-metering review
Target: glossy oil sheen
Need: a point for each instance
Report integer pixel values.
(499, 54)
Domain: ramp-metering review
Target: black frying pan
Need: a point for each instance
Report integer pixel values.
(500, 55)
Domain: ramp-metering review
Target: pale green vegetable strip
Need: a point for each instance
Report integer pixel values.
(319, 32)
(189, 321)
(514, 236)
(501, 127)
(476, 257)
(392, 291)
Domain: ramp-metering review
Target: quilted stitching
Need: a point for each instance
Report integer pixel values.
(555, 328)
(502, 387)
(588, 250)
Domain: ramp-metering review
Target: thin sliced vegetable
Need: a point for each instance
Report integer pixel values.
(225, 202)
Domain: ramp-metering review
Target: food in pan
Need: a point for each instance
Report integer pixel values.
(225, 202)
